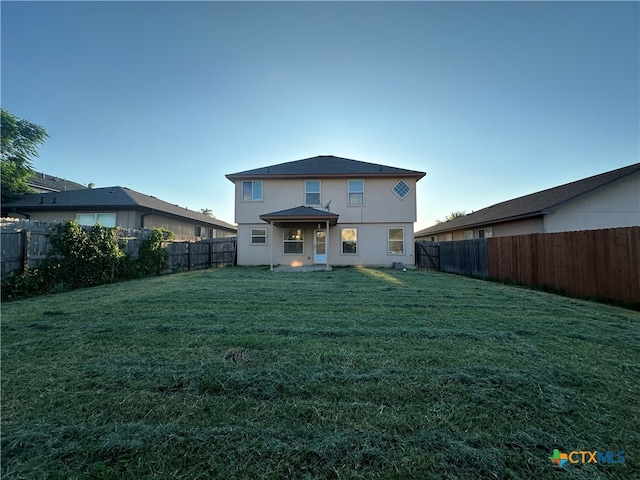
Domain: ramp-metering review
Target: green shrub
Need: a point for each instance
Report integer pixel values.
(153, 258)
(85, 257)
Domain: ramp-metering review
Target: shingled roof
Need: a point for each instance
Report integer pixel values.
(532, 205)
(324, 166)
(108, 197)
(51, 183)
(300, 214)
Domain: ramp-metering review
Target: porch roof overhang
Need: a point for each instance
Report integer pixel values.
(300, 215)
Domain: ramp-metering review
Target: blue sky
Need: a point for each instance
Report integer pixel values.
(492, 99)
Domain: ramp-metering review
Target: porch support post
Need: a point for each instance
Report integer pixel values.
(326, 244)
(273, 241)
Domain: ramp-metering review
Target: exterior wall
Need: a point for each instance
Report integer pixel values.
(518, 227)
(372, 246)
(131, 220)
(380, 203)
(381, 209)
(615, 205)
(505, 229)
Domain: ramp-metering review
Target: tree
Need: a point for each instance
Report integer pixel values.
(208, 212)
(452, 215)
(20, 140)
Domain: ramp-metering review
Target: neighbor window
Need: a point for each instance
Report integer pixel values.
(258, 236)
(252, 190)
(396, 240)
(293, 239)
(401, 189)
(356, 192)
(468, 234)
(485, 233)
(198, 231)
(349, 238)
(90, 219)
(312, 192)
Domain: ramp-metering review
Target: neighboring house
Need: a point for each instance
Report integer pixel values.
(608, 200)
(117, 206)
(44, 183)
(325, 210)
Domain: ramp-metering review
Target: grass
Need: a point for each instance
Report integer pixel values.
(353, 373)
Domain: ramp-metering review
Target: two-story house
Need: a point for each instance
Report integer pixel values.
(325, 210)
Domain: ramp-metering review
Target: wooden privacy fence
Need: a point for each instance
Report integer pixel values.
(212, 253)
(24, 249)
(591, 263)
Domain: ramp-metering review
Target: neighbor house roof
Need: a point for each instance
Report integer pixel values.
(44, 181)
(532, 205)
(300, 214)
(324, 166)
(121, 198)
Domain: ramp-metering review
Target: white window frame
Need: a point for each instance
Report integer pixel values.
(353, 191)
(96, 219)
(389, 241)
(486, 232)
(255, 236)
(307, 192)
(393, 189)
(343, 241)
(253, 197)
(286, 242)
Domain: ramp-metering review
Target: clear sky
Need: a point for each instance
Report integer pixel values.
(492, 99)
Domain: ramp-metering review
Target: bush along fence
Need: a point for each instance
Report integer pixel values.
(598, 264)
(63, 256)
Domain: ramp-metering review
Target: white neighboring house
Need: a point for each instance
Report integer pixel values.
(325, 210)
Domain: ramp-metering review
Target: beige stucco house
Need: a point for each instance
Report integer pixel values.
(117, 206)
(607, 200)
(326, 211)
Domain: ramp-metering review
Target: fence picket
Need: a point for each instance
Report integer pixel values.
(26, 243)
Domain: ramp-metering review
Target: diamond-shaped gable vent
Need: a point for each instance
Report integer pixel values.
(401, 189)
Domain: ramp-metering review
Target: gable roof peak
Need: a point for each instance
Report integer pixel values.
(324, 166)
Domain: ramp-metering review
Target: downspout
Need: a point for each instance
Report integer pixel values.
(273, 241)
(142, 219)
(327, 247)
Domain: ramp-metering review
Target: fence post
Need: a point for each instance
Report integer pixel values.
(188, 255)
(26, 246)
(211, 255)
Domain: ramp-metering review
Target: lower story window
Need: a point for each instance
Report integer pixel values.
(349, 238)
(90, 219)
(258, 236)
(396, 240)
(293, 239)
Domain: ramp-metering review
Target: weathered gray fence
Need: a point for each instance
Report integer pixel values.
(212, 253)
(464, 257)
(25, 244)
(427, 255)
(22, 250)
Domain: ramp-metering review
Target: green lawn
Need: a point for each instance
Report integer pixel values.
(353, 373)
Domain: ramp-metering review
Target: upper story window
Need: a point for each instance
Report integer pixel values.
(401, 189)
(91, 219)
(252, 190)
(356, 192)
(312, 192)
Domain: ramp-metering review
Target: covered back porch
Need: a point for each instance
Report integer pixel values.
(291, 229)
